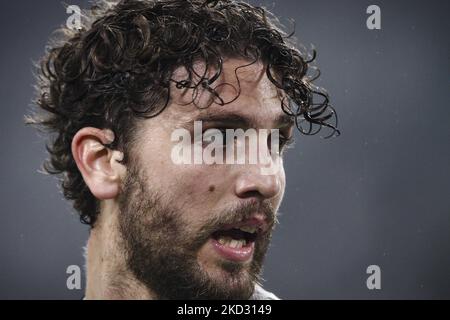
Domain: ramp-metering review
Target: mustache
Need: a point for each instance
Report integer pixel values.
(237, 213)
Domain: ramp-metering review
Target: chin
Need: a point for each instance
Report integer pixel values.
(231, 280)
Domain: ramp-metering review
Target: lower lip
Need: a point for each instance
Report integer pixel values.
(235, 254)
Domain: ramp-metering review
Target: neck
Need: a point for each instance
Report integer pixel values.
(108, 276)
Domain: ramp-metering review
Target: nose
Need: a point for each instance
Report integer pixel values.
(255, 184)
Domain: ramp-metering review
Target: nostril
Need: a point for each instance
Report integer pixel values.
(251, 194)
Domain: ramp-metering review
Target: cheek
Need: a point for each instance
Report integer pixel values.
(282, 180)
(283, 177)
(197, 194)
(194, 189)
(199, 186)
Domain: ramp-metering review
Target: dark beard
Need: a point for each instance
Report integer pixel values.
(162, 252)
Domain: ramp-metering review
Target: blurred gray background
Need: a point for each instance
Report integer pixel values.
(378, 194)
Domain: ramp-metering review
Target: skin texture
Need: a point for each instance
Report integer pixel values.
(156, 216)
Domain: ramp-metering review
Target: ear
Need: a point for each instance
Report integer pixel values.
(98, 164)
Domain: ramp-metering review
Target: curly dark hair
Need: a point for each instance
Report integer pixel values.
(118, 68)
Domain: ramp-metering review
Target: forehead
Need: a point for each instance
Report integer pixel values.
(243, 88)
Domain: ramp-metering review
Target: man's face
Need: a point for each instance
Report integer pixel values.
(199, 230)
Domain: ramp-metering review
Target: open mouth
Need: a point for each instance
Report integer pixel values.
(237, 242)
(236, 237)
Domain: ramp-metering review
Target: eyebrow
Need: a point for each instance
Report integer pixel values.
(236, 120)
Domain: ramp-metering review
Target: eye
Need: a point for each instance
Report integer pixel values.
(215, 135)
(284, 142)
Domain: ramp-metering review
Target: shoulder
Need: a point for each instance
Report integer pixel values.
(261, 294)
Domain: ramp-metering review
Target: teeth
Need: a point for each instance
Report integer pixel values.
(224, 240)
(235, 244)
(232, 243)
(249, 229)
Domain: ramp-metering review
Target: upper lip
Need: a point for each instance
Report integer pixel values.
(256, 220)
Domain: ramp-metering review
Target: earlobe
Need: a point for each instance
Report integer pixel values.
(97, 163)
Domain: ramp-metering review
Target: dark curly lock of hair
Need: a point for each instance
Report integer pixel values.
(118, 68)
